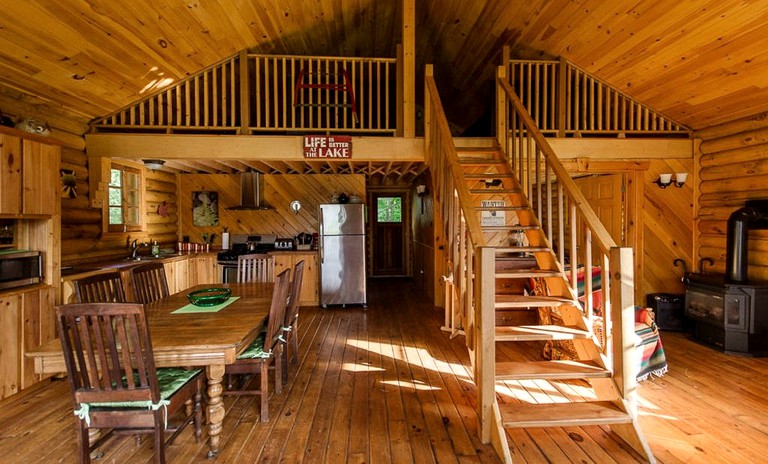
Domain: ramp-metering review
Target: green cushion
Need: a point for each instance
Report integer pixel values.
(256, 349)
(169, 380)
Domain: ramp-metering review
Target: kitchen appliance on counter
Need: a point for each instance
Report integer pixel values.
(342, 254)
(19, 268)
(284, 244)
(242, 244)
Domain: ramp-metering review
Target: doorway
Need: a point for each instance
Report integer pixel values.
(390, 216)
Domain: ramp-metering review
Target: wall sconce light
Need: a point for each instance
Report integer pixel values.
(153, 164)
(665, 180)
(421, 190)
(295, 206)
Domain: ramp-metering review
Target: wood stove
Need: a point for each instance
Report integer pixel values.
(729, 311)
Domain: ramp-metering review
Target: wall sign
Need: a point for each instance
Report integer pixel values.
(327, 146)
(493, 217)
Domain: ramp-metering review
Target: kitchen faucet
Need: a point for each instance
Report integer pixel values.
(135, 245)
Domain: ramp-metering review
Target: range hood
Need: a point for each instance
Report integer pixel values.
(251, 193)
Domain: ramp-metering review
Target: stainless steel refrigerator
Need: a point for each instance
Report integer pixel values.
(341, 251)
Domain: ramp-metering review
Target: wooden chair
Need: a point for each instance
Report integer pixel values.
(100, 288)
(113, 380)
(291, 319)
(265, 350)
(255, 268)
(149, 283)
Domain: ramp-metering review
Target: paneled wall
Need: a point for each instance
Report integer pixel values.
(733, 169)
(423, 217)
(667, 216)
(279, 191)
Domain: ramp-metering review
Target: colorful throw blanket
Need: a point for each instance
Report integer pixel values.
(648, 348)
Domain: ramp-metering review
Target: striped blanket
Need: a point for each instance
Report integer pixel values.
(648, 347)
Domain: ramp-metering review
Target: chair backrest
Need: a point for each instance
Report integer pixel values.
(108, 352)
(277, 310)
(100, 288)
(149, 282)
(255, 268)
(292, 312)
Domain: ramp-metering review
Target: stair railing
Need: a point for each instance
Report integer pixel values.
(574, 231)
(458, 231)
(468, 260)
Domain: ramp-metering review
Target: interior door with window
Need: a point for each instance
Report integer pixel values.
(388, 230)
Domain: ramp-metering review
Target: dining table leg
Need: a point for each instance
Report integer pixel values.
(215, 416)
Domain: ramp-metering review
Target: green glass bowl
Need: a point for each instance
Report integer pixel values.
(209, 296)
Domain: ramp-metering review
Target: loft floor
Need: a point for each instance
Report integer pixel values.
(386, 385)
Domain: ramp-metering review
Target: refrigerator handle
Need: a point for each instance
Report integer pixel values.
(321, 249)
(320, 226)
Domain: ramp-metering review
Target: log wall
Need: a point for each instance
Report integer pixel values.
(279, 191)
(733, 169)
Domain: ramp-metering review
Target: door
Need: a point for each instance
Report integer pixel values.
(605, 195)
(389, 226)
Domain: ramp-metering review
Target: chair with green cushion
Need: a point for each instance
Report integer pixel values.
(291, 319)
(112, 376)
(266, 350)
(149, 283)
(100, 288)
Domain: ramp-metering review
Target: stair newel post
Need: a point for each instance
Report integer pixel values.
(485, 346)
(623, 317)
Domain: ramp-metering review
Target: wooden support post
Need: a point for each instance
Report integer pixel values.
(400, 100)
(245, 97)
(409, 68)
(485, 345)
(561, 72)
(501, 111)
(623, 315)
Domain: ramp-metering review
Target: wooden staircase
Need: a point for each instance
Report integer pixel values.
(504, 213)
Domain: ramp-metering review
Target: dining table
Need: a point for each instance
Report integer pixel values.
(185, 335)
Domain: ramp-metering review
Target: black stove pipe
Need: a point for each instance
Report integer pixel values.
(740, 222)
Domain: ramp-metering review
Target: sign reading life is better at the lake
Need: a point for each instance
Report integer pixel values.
(327, 146)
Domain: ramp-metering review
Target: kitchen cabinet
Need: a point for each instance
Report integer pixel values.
(27, 320)
(29, 175)
(310, 293)
(207, 269)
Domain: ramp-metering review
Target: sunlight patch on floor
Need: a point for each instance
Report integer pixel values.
(415, 385)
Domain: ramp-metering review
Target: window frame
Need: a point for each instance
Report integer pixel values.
(124, 227)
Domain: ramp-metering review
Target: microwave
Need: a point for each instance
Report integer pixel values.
(19, 268)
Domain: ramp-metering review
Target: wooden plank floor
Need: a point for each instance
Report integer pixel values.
(387, 386)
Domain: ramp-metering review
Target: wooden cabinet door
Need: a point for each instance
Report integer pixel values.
(10, 174)
(283, 262)
(310, 293)
(10, 376)
(207, 270)
(38, 327)
(40, 178)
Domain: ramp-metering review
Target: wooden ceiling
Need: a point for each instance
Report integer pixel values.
(697, 62)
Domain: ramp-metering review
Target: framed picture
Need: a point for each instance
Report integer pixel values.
(205, 209)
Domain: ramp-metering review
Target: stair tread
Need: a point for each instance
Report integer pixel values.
(557, 369)
(539, 332)
(525, 301)
(501, 208)
(488, 175)
(525, 273)
(480, 161)
(495, 191)
(562, 414)
(526, 249)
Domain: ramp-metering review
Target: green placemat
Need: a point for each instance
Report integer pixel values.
(190, 308)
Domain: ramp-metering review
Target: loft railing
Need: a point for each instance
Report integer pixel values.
(564, 100)
(574, 231)
(252, 93)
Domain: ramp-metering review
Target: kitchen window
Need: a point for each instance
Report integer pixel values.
(124, 199)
